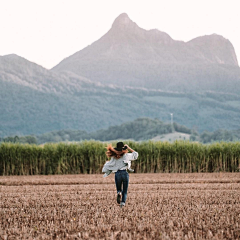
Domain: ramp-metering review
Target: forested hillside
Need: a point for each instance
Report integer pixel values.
(27, 111)
(141, 129)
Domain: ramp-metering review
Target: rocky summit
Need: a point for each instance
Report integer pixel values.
(131, 56)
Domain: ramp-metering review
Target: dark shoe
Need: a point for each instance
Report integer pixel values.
(119, 195)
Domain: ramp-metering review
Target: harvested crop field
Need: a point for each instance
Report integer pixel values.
(159, 206)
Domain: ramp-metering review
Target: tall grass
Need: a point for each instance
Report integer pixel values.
(89, 157)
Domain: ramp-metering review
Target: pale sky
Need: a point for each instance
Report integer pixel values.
(47, 31)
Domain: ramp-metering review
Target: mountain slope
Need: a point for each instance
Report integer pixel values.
(131, 56)
(25, 110)
(17, 70)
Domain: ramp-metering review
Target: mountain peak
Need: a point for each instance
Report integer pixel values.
(128, 55)
(216, 49)
(122, 21)
(12, 56)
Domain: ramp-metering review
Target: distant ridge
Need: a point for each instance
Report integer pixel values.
(215, 48)
(131, 56)
(20, 71)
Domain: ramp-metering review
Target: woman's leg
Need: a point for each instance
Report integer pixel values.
(125, 179)
(118, 181)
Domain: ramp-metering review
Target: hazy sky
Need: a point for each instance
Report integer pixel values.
(47, 31)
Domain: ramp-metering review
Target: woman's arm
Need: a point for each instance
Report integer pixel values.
(130, 149)
(133, 155)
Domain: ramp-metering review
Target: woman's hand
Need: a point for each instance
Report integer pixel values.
(130, 149)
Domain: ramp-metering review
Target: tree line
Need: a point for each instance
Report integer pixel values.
(139, 130)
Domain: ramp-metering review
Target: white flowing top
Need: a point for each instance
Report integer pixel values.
(122, 163)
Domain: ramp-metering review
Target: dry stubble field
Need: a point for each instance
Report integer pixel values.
(159, 206)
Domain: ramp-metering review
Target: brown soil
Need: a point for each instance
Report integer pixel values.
(159, 206)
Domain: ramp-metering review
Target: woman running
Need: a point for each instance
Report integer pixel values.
(119, 164)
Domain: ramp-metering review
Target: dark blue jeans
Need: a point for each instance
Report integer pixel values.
(122, 180)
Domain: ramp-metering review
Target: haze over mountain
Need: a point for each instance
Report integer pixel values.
(17, 70)
(128, 73)
(131, 56)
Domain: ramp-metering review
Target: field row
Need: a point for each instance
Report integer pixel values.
(139, 178)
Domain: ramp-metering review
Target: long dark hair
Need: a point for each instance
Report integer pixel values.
(111, 152)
